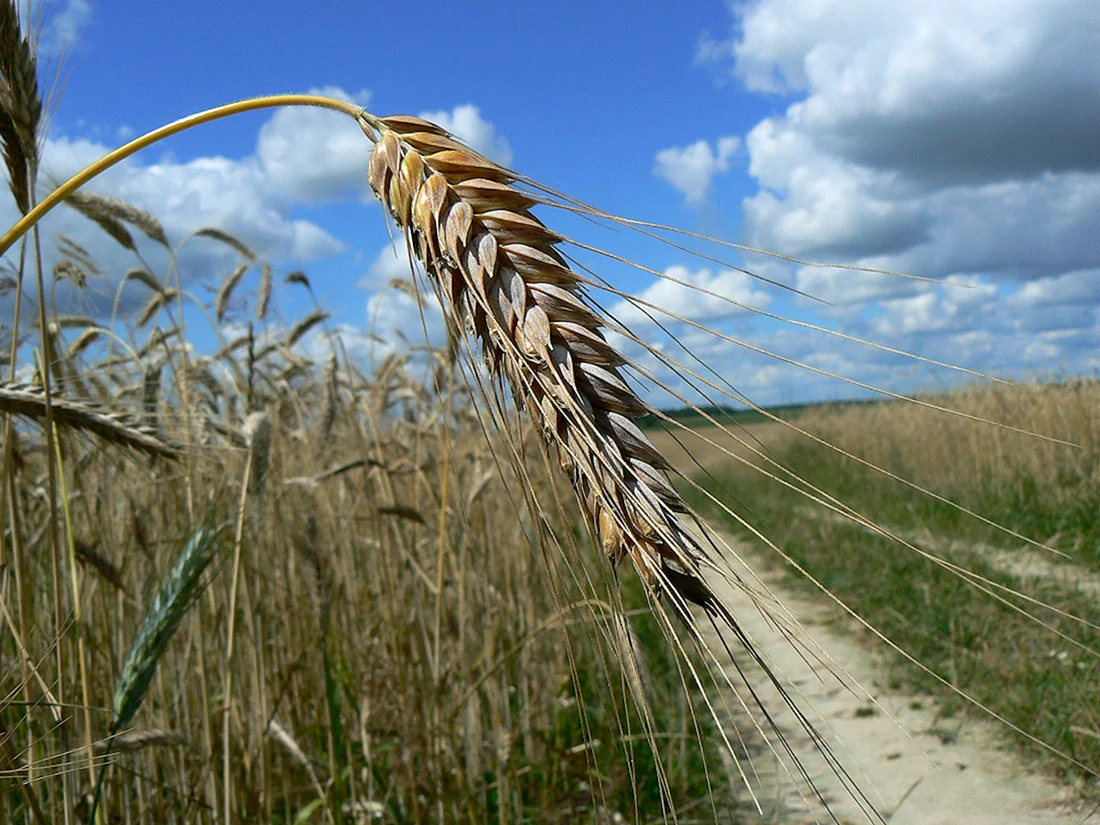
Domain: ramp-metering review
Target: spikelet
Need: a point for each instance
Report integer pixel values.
(229, 240)
(87, 556)
(177, 593)
(83, 341)
(221, 304)
(257, 434)
(91, 207)
(30, 402)
(150, 393)
(495, 264)
(106, 210)
(302, 327)
(155, 305)
(266, 277)
(69, 270)
(20, 105)
(298, 277)
(145, 277)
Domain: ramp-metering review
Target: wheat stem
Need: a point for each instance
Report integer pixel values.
(55, 546)
(445, 475)
(137, 144)
(7, 750)
(78, 613)
(238, 536)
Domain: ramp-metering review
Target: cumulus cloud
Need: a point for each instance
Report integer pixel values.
(466, 123)
(947, 91)
(701, 295)
(392, 263)
(316, 154)
(320, 156)
(64, 24)
(396, 319)
(232, 195)
(302, 157)
(952, 140)
(918, 125)
(692, 169)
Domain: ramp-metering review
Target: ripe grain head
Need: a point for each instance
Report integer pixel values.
(500, 275)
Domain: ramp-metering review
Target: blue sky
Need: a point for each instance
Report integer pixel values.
(953, 140)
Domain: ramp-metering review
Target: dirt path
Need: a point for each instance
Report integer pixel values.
(915, 766)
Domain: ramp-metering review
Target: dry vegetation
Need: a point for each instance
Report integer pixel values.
(406, 640)
(999, 606)
(251, 585)
(257, 585)
(1046, 489)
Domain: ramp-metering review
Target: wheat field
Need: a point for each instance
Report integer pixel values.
(259, 582)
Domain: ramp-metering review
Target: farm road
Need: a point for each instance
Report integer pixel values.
(915, 766)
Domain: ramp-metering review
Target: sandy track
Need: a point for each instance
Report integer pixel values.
(915, 767)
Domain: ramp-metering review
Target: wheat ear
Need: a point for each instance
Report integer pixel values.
(177, 593)
(30, 402)
(498, 266)
(20, 105)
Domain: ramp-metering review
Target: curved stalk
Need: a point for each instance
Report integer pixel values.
(112, 158)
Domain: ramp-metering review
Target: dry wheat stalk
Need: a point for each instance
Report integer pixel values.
(89, 206)
(69, 270)
(298, 277)
(257, 434)
(150, 392)
(83, 341)
(497, 266)
(87, 555)
(30, 402)
(145, 277)
(155, 305)
(304, 326)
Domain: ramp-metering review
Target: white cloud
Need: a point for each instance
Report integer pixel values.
(1061, 290)
(395, 321)
(932, 126)
(692, 169)
(63, 25)
(320, 155)
(465, 123)
(232, 195)
(316, 154)
(951, 140)
(939, 310)
(303, 156)
(708, 301)
(391, 263)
